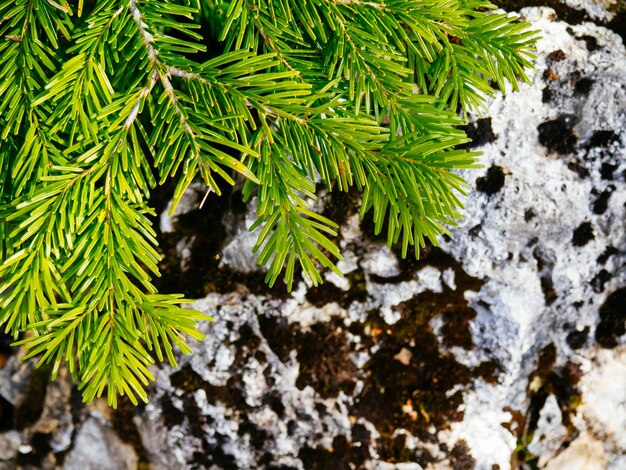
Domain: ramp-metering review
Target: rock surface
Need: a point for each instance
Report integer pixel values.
(504, 348)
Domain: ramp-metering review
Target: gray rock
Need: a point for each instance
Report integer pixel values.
(97, 447)
(488, 346)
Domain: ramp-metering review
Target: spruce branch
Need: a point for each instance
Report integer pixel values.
(101, 102)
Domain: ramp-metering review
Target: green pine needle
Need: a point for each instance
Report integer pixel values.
(102, 101)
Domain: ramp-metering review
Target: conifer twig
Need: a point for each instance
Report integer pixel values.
(295, 95)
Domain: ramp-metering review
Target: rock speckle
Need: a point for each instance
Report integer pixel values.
(492, 182)
(583, 86)
(557, 134)
(480, 131)
(612, 324)
(583, 234)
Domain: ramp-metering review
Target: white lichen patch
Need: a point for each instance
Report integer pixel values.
(596, 9)
(526, 236)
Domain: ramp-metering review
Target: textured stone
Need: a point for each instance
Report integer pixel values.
(96, 447)
(504, 346)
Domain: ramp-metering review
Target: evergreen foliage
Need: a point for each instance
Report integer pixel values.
(100, 101)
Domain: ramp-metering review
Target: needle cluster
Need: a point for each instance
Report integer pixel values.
(101, 101)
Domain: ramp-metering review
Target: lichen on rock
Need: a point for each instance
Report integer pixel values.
(504, 346)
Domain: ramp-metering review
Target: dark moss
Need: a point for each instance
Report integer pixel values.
(583, 234)
(230, 394)
(394, 450)
(358, 287)
(606, 254)
(325, 364)
(460, 457)
(40, 444)
(6, 350)
(237, 206)
(7, 415)
(546, 95)
(480, 131)
(601, 203)
(274, 402)
(368, 228)
(583, 86)
(212, 455)
(280, 335)
(577, 339)
(492, 182)
(489, 371)
(247, 344)
(517, 422)
(547, 380)
(412, 262)
(292, 427)
(324, 294)
(578, 168)
(612, 319)
(558, 135)
(591, 43)
(257, 436)
(475, 230)
(341, 204)
(361, 434)
(545, 363)
(417, 395)
(202, 273)
(187, 379)
(343, 455)
(618, 24)
(547, 287)
(602, 138)
(599, 281)
(208, 453)
(208, 232)
(172, 416)
(550, 75)
(225, 279)
(455, 329)
(607, 170)
(564, 12)
(529, 214)
(556, 56)
(126, 429)
(29, 410)
(328, 292)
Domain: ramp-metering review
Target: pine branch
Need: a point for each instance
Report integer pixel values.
(291, 230)
(25, 24)
(104, 190)
(290, 95)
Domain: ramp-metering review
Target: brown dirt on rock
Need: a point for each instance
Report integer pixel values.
(612, 319)
(325, 364)
(413, 390)
(544, 381)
